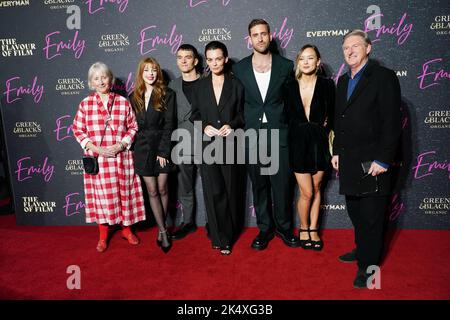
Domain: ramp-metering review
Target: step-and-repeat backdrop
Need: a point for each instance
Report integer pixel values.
(47, 46)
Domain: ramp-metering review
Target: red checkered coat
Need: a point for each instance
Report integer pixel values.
(114, 195)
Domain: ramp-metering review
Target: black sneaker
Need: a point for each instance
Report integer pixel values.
(184, 230)
(348, 257)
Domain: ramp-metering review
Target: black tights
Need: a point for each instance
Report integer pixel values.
(159, 198)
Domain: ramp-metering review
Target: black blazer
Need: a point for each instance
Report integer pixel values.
(367, 126)
(273, 105)
(229, 110)
(322, 103)
(155, 129)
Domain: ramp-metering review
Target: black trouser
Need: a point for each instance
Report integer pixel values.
(367, 215)
(274, 187)
(186, 190)
(220, 187)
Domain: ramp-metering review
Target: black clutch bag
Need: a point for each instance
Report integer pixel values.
(368, 184)
(90, 164)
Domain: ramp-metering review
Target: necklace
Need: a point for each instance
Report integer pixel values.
(263, 66)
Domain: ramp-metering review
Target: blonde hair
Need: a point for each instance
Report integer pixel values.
(359, 33)
(101, 67)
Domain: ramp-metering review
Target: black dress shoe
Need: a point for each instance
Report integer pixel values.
(348, 257)
(360, 281)
(262, 240)
(288, 238)
(184, 230)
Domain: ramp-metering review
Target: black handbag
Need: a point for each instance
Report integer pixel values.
(90, 163)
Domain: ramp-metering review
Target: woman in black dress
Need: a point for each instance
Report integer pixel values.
(218, 102)
(154, 105)
(309, 101)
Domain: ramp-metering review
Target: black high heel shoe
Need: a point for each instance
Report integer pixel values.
(159, 243)
(316, 244)
(305, 243)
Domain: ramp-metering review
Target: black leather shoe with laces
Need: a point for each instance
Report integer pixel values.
(288, 238)
(262, 240)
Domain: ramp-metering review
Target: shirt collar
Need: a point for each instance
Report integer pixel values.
(359, 73)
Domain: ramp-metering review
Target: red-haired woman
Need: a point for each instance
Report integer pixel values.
(154, 105)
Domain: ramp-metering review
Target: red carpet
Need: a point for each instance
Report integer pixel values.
(33, 263)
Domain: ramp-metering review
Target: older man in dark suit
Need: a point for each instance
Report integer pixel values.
(367, 131)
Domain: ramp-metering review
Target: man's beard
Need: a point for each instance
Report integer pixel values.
(262, 50)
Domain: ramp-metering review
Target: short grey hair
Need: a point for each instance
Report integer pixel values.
(103, 68)
(359, 33)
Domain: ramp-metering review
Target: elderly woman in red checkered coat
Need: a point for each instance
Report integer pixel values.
(105, 126)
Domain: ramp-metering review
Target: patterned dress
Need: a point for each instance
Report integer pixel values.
(114, 195)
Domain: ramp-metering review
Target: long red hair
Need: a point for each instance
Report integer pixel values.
(159, 88)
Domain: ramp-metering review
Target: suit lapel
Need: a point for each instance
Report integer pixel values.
(251, 80)
(299, 108)
(362, 84)
(274, 73)
(212, 97)
(182, 98)
(226, 91)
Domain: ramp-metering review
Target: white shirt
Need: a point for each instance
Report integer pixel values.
(263, 79)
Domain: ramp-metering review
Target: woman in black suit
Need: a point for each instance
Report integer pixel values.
(218, 102)
(154, 105)
(309, 101)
